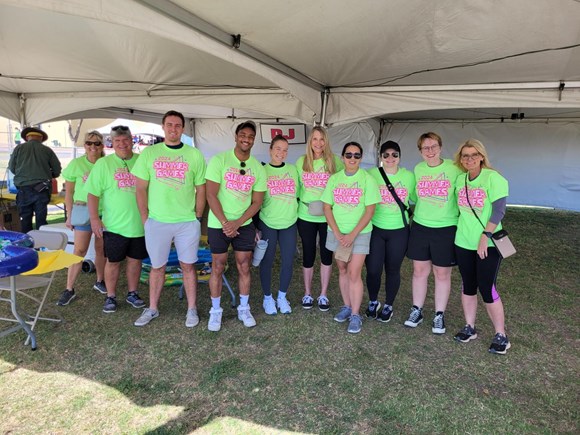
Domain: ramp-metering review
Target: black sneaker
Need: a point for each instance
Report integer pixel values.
(466, 334)
(386, 314)
(110, 305)
(500, 344)
(415, 317)
(307, 302)
(323, 303)
(100, 287)
(373, 309)
(66, 297)
(438, 323)
(135, 300)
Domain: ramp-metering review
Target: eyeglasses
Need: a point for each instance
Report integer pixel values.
(431, 148)
(243, 171)
(394, 154)
(470, 156)
(120, 128)
(93, 144)
(357, 156)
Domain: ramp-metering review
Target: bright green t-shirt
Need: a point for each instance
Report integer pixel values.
(77, 172)
(436, 205)
(312, 185)
(172, 175)
(235, 193)
(488, 186)
(388, 214)
(280, 206)
(111, 180)
(349, 195)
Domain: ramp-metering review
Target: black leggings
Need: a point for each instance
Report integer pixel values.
(387, 251)
(308, 231)
(477, 273)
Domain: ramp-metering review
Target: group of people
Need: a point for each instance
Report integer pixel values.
(140, 205)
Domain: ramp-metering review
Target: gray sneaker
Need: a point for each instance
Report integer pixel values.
(192, 319)
(100, 287)
(135, 300)
(343, 315)
(110, 305)
(146, 317)
(355, 324)
(66, 297)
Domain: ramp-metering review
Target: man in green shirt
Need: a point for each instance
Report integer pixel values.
(112, 185)
(235, 183)
(34, 165)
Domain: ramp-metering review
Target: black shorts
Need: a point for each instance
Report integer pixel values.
(118, 247)
(243, 242)
(432, 244)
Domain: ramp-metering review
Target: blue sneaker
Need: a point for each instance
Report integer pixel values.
(500, 344)
(355, 324)
(343, 315)
(134, 300)
(110, 304)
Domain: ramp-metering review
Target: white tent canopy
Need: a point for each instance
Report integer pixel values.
(331, 61)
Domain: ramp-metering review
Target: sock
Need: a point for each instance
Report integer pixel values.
(267, 297)
(439, 312)
(244, 300)
(216, 302)
(281, 294)
(388, 307)
(373, 303)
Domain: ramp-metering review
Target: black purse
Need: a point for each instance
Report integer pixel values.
(402, 206)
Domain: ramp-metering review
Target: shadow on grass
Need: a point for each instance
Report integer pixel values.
(303, 372)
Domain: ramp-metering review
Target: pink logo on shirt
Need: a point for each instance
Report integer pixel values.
(347, 195)
(476, 198)
(435, 188)
(281, 186)
(166, 168)
(125, 180)
(238, 182)
(387, 198)
(315, 179)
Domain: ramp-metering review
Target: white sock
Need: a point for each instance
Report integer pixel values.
(268, 297)
(216, 303)
(244, 300)
(281, 294)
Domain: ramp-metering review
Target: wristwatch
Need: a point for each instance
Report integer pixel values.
(488, 234)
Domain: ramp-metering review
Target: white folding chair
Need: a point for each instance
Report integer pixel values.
(34, 287)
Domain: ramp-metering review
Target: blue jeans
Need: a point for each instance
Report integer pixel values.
(30, 202)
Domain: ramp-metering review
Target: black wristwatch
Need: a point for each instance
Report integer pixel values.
(199, 218)
(488, 234)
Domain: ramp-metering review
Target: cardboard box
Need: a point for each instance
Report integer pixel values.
(9, 216)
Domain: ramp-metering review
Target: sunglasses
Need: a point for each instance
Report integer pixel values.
(394, 154)
(357, 156)
(243, 171)
(120, 128)
(93, 144)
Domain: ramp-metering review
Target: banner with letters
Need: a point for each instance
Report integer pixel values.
(294, 133)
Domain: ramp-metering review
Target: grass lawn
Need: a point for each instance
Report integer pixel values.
(97, 373)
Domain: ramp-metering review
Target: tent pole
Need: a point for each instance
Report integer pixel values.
(325, 94)
(192, 128)
(22, 100)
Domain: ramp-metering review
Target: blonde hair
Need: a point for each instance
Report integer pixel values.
(95, 134)
(327, 155)
(472, 143)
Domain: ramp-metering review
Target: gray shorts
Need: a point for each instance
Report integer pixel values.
(159, 235)
(361, 243)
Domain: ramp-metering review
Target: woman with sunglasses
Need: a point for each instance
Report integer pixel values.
(349, 200)
(277, 224)
(481, 196)
(390, 231)
(433, 231)
(314, 170)
(75, 175)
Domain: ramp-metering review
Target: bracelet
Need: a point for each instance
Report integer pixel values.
(225, 222)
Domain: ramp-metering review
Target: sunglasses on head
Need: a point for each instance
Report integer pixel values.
(93, 144)
(120, 128)
(243, 171)
(394, 154)
(357, 156)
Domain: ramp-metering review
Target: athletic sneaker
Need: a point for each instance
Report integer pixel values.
(343, 315)
(386, 314)
(134, 300)
(191, 319)
(415, 318)
(215, 319)
(146, 317)
(500, 344)
(100, 287)
(283, 305)
(66, 297)
(245, 316)
(355, 324)
(307, 302)
(110, 304)
(466, 334)
(438, 323)
(323, 303)
(373, 309)
(269, 306)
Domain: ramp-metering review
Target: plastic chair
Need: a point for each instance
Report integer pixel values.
(26, 285)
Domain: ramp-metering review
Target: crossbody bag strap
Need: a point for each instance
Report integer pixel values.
(469, 202)
(402, 206)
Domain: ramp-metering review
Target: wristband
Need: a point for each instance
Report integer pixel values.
(199, 218)
(225, 222)
(488, 234)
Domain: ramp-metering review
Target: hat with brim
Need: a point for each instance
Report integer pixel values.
(38, 131)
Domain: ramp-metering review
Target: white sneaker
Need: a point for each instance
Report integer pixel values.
(269, 306)
(192, 319)
(284, 305)
(215, 319)
(245, 316)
